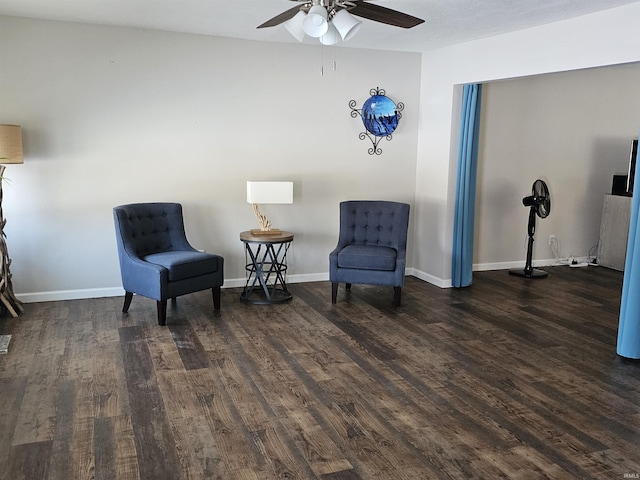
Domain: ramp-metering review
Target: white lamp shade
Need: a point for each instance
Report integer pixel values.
(269, 192)
(294, 25)
(346, 24)
(315, 23)
(11, 144)
(331, 37)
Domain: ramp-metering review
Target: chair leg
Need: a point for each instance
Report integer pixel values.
(334, 292)
(162, 312)
(128, 296)
(397, 294)
(215, 291)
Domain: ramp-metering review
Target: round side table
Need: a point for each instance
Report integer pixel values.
(266, 267)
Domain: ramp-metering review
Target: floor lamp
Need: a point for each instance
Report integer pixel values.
(10, 152)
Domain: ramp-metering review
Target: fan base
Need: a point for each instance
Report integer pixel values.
(535, 273)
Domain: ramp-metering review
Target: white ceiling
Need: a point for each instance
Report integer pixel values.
(447, 21)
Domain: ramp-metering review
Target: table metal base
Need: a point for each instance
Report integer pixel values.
(257, 297)
(266, 270)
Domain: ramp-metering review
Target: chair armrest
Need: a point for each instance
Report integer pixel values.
(143, 278)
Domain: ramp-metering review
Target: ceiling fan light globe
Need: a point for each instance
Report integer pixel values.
(331, 37)
(294, 25)
(346, 24)
(315, 23)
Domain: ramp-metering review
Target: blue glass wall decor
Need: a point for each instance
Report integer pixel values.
(380, 116)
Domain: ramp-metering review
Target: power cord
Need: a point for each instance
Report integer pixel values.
(572, 260)
(593, 259)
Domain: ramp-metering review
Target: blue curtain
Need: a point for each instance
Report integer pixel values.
(629, 324)
(466, 187)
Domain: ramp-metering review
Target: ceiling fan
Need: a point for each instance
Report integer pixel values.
(332, 20)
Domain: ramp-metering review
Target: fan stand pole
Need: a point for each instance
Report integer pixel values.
(529, 271)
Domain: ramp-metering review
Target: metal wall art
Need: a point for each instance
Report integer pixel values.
(380, 117)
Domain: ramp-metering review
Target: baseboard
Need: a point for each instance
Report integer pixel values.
(58, 295)
(433, 280)
(79, 294)
(309, 277)
(303, 278)
(481, 267)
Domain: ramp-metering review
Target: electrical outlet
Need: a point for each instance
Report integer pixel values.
(552, 239)
(4, 343)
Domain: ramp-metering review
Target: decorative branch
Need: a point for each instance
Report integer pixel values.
(7, 297)
(263, 221)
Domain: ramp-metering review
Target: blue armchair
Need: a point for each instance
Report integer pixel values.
(157, 261)
(372, 246)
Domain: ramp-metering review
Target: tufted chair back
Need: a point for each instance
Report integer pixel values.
(148, 228)
(381, 223)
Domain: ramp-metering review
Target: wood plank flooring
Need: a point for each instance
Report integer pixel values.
(509, 378)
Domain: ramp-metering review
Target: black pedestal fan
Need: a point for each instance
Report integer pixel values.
(539, 204)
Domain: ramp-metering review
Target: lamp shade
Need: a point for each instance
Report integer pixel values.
(269, 192)
(315, 23)
(11, 144)
(331, 37)
(346, 24)
(294, 25)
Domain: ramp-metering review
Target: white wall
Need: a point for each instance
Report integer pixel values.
(113, 115)
(117, 115)
(573, 130)
(605, 38)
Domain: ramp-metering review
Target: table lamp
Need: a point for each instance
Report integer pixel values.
(10, 152)
(268, 192)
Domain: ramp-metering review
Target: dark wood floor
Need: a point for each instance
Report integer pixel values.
(510, 378)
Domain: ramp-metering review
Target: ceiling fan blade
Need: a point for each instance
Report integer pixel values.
(283, 17)
(384, 15)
